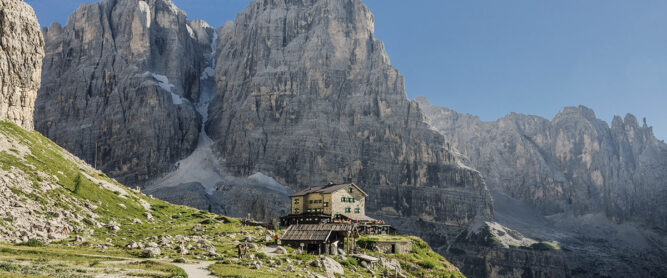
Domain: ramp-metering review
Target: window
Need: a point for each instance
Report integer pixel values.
(348, 210)
(343, 199)
(296, 201)
(326, 204)
(350, 190)
(357, 210)
(296, 210)
(310, 201)
(351, 200)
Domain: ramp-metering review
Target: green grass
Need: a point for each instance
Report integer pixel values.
(428, 263)
(79, 184)
(32, 243)
(232, 270)
(542, 246)
(157, 269)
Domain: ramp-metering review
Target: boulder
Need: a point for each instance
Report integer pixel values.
(392, 264)
(151, 252)
(133, 245)
(281, 250)
(113, 226)
(332, 267)
(182, 249)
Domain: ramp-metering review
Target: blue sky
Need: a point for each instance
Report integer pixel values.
(489, 58)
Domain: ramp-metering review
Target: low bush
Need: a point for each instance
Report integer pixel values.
(261, 255)
(7, 267)
(32, 243)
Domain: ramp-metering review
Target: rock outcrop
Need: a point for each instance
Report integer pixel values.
(21, 53)
(307, 95)
(594, 188)
(575, 164)
(119, 83)
(303, 94)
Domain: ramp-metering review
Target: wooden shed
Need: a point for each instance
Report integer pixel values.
(321, 238)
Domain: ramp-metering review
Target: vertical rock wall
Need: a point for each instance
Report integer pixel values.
(307, 95)
(21, 53)
(119, 84)
(574, 164)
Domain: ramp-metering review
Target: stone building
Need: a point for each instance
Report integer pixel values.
(327, 204)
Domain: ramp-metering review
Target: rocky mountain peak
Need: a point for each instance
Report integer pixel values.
(572, 167)
(119, 86)
(576, 111)
(21, 53)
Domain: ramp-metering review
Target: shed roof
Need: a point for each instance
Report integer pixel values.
(314, 232)
(327, 189)
(359, 217)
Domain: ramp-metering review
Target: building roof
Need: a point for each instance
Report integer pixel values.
(359, 217)
(314, 232)
(327, 189)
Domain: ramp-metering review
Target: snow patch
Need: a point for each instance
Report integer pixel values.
(190, 32)
(207, 73)
(163, 82)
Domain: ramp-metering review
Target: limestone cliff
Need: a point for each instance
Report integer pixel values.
(307, 95)
(574, 164)
(598, 190)
(21, 53)
(119, 84)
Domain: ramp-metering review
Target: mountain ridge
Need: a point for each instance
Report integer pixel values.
(595, 188)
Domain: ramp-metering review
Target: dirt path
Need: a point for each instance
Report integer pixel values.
(197, 270)
(269, 250)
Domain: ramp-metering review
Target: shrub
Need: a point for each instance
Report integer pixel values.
(207, 221)
(261, 255)
(179, 261)
(8, 267)
(77, 183)
(349, 262)
(32, 243)
(94, 263)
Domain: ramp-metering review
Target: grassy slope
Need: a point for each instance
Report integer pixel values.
(103, 250)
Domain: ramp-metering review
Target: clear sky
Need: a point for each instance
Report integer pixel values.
(489, 58)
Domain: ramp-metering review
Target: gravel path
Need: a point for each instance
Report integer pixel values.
(197, 270)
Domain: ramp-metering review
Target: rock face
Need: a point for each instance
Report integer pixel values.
(21, 53)
(573, 164)
(303, 94)
(593, 188)
(307, 95)
(119, 84)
